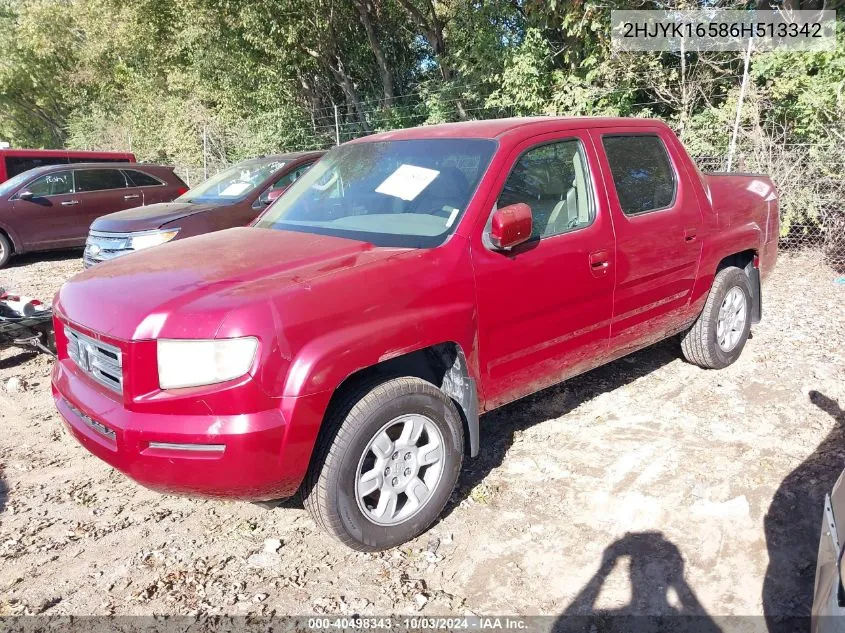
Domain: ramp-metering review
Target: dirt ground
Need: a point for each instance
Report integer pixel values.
(647, 486)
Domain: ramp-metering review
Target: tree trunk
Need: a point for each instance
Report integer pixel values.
(344, 82)
(312, 99)
(363, 7)
(351, 93)
(433, 30)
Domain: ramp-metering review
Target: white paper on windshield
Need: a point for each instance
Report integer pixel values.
(235, 189)
(407, 182)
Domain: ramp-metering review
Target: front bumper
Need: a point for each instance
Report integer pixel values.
(255, 456)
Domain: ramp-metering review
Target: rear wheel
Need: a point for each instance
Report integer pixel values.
(386, 463)
(718, 336)
(5, 250)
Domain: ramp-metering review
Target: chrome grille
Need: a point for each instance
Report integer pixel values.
(101, 247)
(103, 362)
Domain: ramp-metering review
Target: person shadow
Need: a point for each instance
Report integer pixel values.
(661, 599)
(4, 492)
(793, 526)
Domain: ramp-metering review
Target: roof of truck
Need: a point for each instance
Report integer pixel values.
(494, 128)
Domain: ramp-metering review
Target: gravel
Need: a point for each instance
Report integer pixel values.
(609, 492)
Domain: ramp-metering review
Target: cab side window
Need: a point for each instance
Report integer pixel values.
(642, 174)
(291, 177)
(56, 184)
(99, 179)
(552, 179)
(282, 183)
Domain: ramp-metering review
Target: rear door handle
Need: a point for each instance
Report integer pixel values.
(132, 197)
(69, 203)
(599, 262)
(690, 235)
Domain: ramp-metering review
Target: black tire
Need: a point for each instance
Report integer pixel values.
(353, 421)
(5, 250)
(699, 344)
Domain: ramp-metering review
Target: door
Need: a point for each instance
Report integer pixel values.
(104, 191)
(656, 219)
(46, 219)
(544, 308)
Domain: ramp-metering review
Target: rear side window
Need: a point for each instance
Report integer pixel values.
(140, 179)
(55, 184)
(642, 174)
(99, 179)
(552, 179)
(18, 164)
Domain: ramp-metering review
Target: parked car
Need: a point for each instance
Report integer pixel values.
(234, 197)
(345, 344)
(52, 207)
(828, 612)
(17, 161)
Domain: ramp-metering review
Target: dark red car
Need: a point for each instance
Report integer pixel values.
(234, 197)
(346, 343)
(52, 207)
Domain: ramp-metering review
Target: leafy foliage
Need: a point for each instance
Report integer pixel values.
(188, 81)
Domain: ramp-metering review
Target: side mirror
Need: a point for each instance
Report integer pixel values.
(26, 195)
(273, 194)
(511, 225)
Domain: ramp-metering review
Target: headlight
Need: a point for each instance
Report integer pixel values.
(152, 238)
(188, 363)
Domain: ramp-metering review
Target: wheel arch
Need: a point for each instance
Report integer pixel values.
(739, 259)
(10, 235)
(747, 260)
(442, 364)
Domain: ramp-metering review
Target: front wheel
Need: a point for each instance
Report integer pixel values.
(718, 336)
(385, 464)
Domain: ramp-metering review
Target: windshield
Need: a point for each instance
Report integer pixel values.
(13, 183)
(393, 193)
(233, 184)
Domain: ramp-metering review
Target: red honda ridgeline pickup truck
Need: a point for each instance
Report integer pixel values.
(345, 344)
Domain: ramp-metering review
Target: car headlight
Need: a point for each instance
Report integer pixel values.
(191, 363)
(152, 238)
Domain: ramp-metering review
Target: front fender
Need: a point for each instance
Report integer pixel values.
(326, 361)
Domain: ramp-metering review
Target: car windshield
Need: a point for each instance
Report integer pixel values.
(13, 183)
(409, 193)
(233, 184)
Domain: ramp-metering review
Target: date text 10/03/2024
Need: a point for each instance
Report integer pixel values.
(503, 623)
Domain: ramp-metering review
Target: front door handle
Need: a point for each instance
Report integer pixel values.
(70, 203)
(690, 234)
(132, 197)
(599, 262)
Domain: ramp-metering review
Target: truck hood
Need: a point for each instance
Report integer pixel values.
(147, 218)
(186, 288)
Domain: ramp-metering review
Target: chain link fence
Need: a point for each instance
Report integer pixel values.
(811, 191)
